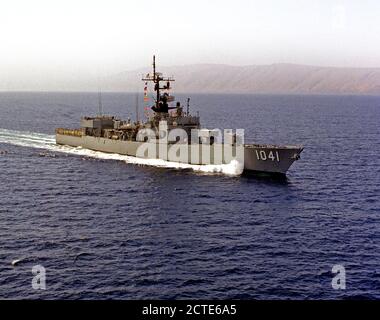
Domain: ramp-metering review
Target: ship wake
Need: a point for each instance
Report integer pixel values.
(47, 142)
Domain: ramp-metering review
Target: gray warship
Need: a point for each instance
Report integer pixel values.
(153, 138)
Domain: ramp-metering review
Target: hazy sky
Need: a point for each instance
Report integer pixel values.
(79, 37)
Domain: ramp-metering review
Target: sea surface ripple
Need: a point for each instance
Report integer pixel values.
(109, 229)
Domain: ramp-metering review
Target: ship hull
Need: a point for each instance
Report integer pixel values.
(257, 158)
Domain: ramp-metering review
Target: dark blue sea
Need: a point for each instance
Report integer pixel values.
(106, 229)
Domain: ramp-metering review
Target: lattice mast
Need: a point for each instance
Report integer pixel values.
(157, 78)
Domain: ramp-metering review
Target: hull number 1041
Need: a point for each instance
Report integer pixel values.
(267, 155)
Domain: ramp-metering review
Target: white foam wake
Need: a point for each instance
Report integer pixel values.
(47, 142)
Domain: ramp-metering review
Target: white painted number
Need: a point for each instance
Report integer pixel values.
(272, 155)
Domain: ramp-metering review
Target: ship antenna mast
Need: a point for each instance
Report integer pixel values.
(188, 106)
(100, 106)
(156, 78)
(156, 81)
(137, 107)
(154, 66)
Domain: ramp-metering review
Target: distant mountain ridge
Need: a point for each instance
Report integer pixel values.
(270, 79)
(216, 78)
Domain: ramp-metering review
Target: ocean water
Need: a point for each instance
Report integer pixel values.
(106, 227)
